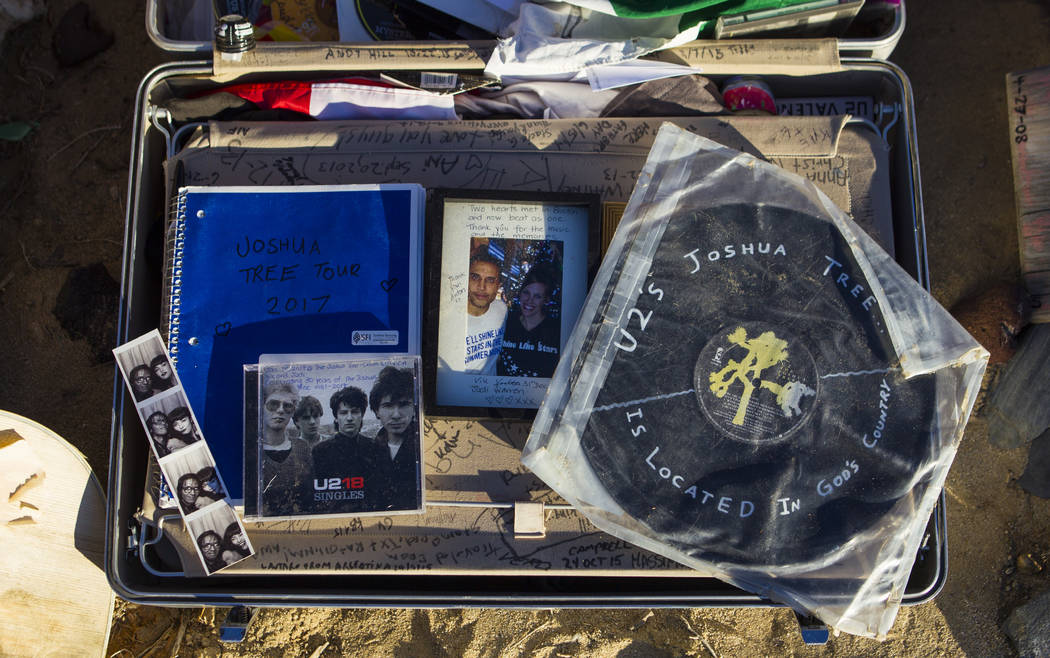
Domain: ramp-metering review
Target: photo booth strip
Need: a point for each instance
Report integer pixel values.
(193, 457)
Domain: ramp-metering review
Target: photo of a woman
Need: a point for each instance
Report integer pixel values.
(234, 544)
(532, 338)
(163, 378)
(182, 430)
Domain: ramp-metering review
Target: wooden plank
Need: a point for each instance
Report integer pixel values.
(1035, 241)
(1038, 283)
(1028, 101)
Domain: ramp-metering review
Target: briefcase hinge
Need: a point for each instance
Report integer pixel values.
(161, 119)
(132, 545)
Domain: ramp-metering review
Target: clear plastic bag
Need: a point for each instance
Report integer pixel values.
(757, 390)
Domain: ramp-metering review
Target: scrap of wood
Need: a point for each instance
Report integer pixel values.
(319, 650)
(8, 437)
(55, 563)
(20, 469)
(1028, 112)
(21, 513)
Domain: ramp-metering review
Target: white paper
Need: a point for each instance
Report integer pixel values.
(555, 41)
(635, 71)
(351, 29)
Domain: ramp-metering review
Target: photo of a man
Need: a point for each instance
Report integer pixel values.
(285, 463)
(141, 382)
(349, 458)
(393, 401)
(210, 544)
(486, 315)
(307, 419)
(191, 495)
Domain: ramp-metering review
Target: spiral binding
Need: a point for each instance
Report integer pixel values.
(174, 299)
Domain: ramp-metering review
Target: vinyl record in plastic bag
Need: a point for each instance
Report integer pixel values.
(757, 390)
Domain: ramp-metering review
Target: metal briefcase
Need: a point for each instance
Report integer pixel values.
(461, 555)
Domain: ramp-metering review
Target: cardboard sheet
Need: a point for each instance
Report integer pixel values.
(849, 164)
(476, 462)
(273, 57)
(465, 462)
(739, 57)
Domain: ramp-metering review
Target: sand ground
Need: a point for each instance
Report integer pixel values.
(62, 206)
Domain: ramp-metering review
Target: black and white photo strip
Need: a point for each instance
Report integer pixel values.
(182, 452)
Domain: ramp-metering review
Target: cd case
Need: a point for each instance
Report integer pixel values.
(332, 437)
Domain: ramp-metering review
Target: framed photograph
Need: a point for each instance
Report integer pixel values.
(508, 273)
(336, 437)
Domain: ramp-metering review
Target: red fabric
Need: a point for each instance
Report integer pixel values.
(289, 94)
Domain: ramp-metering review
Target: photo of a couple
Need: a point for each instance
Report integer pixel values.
(513, 273)
(513, 310)
(148, 368)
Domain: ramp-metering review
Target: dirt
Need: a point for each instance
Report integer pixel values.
(62, 208)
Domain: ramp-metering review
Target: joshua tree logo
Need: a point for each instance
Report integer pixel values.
(763, 353)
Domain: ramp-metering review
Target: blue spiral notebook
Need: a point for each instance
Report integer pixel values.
(279, 270)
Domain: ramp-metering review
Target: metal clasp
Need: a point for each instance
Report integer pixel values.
(235, 627)
(814, 632)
